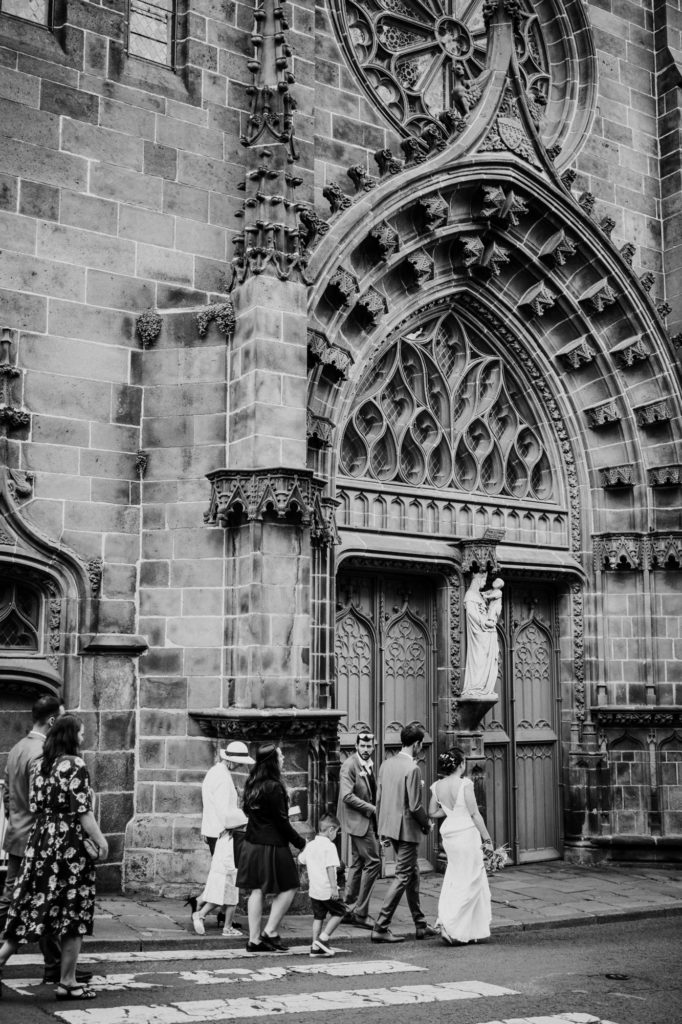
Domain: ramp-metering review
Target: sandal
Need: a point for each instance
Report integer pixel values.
(74, 992)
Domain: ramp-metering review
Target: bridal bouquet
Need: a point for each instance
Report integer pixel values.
(495, 859)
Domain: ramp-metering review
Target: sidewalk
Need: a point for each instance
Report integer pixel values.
(547, 895)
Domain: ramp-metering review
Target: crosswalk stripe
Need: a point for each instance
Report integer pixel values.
(146, 956)
(206, 1010)
(555, 1018)
(229, 975)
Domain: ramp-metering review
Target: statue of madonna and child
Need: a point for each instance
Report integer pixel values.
(482, 609)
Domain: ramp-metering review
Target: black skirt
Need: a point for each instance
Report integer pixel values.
(266, 867)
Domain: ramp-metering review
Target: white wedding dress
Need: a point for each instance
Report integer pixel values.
(464, 911)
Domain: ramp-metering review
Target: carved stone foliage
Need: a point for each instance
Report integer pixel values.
(336, 360)
(483, 256)
(607, 224)
(652, 414)
(647, 281)
(287, 495)
(95, 570)
(336, 197)
(603, 415)
(223, 315)
(665, 476)
(438, 408)
(577, 353)
(342, 286)
(371, 307)
(617, 476)
(632, 351)
(148, 327)
(598, 296)
(387, 162)
(586, 201)
(503, 205)
(313, 227)
(539, 298)
(455, 588)
(628, 252)
(12, 413)
(618, 551)
(361, 178)
(19, 484)
(578, 616)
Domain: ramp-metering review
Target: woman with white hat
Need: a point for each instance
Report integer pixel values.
(222, 827)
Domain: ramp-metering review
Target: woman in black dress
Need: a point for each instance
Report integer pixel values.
(55, 890)
(265, 862)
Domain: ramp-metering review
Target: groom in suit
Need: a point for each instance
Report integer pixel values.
(403, 820)
(357, 814)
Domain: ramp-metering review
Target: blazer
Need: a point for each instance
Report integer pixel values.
(399, 798)
(17, 791)
(356, 805)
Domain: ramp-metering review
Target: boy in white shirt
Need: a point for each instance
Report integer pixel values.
(321, 859)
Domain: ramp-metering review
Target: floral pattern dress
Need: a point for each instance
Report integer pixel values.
(55, 890)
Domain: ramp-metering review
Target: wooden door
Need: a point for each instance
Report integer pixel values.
(385, 664)
(521, 731)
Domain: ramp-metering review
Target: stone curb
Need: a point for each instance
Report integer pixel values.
(502, 929)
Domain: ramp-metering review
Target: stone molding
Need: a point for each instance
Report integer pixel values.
(617, 476)
(665, 476)
(258, 724)
(637, 716)
(239, 496)
(603, 415)
(637, 551)
(652, 414)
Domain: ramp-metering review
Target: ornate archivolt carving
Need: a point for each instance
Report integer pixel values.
(665, 476)
(295, 496)
(385, 239)
(371, 306)
(598, 296)
(387, 162)
(539, 298)
(652, 414)
(664, 550)
(486, 257)
(361, 178)
(503, 205)
(313, 227)
(336, 360)
(578, 616)
(631, 351)
(617, 476)
(435, 211)
(342, 286)
(319, 430)
(421, 266)
(628, 252)
(509, 133)
(578, 353)
(336, 197)
(603, 415)
(618, 551)
(558, 249)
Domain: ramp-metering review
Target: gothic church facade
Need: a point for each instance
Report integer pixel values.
(310, 312)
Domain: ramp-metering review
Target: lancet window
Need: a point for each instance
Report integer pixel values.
(20, 608)
(440, 408)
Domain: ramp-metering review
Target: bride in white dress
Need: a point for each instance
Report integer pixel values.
(464, 912)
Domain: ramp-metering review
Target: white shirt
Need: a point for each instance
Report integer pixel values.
(221, 805)
(319, 855)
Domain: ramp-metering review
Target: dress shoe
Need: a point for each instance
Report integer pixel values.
(362, 922)
(385, 936)
(424, 931)
(53, 974)
(274, 942)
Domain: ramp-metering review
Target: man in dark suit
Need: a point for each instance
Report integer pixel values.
(357, 814)
(403, 820)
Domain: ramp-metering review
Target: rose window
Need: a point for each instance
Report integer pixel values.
(440, 410)
(419, 60)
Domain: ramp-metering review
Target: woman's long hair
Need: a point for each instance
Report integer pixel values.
(262, 772)
(61, 739)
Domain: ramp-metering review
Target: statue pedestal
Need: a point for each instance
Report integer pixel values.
(472, 711)
(469, 736)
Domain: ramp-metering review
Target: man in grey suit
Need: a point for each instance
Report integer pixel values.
(16, 800)
(403, 820)
(357, 814)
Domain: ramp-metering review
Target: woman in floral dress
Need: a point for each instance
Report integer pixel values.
(55, 890)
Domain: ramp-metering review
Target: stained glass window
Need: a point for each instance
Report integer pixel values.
(440, 409)
(151, 29)
(29, 10)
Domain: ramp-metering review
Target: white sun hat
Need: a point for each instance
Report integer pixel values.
(238, 752)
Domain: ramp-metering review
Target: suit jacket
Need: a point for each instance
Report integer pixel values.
(401, 813)
(20, 761)
(356, 804)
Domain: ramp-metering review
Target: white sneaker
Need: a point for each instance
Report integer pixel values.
(319, 948)
(232, 933)
(198, 924)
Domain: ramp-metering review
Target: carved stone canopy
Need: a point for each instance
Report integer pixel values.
(642, 716)
(254, 725)
(637, 551)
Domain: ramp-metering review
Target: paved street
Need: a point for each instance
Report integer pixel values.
(624, 972)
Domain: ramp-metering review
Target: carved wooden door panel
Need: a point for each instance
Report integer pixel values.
(521, 731)
(385, 663)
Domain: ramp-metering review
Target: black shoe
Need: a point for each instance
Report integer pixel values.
(362, 922)
(53, 974)
(274, 942)
(385, 936)
(220, 918)
(425, 931)
(259, 947)
(191, 902)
